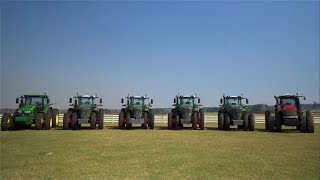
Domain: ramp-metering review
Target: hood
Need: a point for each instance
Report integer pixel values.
(27, 108)
(137, 112)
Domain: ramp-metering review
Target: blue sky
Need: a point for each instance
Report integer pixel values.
(259, 49)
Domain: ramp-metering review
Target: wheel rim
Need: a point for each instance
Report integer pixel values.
(41, 120)
(50, 122)
(57, 119)
(9, 121)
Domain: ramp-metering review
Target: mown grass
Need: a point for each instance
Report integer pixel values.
(159, 154)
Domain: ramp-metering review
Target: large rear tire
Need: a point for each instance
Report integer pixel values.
(101, 118)
(145, 121)
(66, 120)
(267, 114)
(55, 118)
(310, 122)
(151, 118)
(303, 124)
(220, 120)
(194, 120)
(128, 125)
(201, 125)
(271, 123)
(169, 120)
(245, 121)
(226, 122)
(93, 120)
(277, 122)
(177, 124)
(251, 120)
(6, 122)
(121, 118)
(74, 121)
(39, 121)
(47, 121)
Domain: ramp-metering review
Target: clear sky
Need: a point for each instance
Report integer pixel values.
(260, 49)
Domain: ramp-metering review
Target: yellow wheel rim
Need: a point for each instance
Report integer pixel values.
(9, 120)
(57, 119)
(41, 120)
(50, 122)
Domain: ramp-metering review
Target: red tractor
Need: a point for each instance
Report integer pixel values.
(288, 112)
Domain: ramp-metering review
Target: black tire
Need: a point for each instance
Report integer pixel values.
(310, 122)
(245, 121)
(93, 120)
(177, 124)
(47, 121)
(39, 121)
(6, 122)
(201, 125)
(128, 125)
(169, 120)
(120, 122)
(226, 121)
(220, 121)
(277, 123)
(251, 120)
(267, 114)
(66, 120)
(55, 118)
(303, 124)
(145, 121)
(74, 121)
(271, 123)
(101, 118)
(151, 118)
(194, 120)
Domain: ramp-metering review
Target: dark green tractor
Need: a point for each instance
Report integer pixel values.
(136, 111)
(233, 112)
(33, 109)
(186, 111)
(84, 111)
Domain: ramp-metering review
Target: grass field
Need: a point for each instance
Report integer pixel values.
(159, 154)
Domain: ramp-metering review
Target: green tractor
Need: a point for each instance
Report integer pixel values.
(186, 111)
(33, 109)
(232, 112)
(83, 111)
(136, 111)
(288, 112)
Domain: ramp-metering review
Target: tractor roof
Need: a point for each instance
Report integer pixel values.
(139, 97)
(187, 96)
(36, 95)
(288, 96)
(86, 96)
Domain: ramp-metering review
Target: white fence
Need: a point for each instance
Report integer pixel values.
(164, 118)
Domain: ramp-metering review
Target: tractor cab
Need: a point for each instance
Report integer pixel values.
(233, 100)
(288, 106)
(28, 102)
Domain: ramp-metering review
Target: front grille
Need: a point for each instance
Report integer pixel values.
(290, 113)
(137, 113)
(236, 114)
(84, 113)
(185, 113)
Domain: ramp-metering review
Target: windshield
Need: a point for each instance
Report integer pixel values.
(86, 101)
(34, 100)
(136, 102)
(186, 101)
(288, 101)
(234, 101)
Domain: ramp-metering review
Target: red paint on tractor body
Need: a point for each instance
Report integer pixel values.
(289, 108)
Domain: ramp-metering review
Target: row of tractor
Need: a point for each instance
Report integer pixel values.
(37, 110)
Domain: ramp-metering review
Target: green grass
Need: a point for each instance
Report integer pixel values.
(160, 154)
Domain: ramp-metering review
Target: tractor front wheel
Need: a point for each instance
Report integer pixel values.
(93, 120)
(6, 122)
(39, 121)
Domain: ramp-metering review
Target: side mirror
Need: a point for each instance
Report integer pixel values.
(17, 100)
(121, 100)
(220, 101)
(174, 100)
(70, 100)
(199, 101)
(247, 101)
(48, 100)
(151, 101)
(100, 101)
(75, 102)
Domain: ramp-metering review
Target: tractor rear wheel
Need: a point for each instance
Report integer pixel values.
(55, 117)
(151, 118)
(267, 114)
(145, 121)
(39, 121)
(277, 122)
(101, 118)
(120, 123)
(310, 122)
(66, 120)
(220, 120)
(201, 125)
(177, 124)
(93, 120)
(245, 121)
(128, 125)
(6, 122)
(271, 123)
(194, 120)
(47, 121)
(74, 121)
(251, 120)
(303, 124)
(169, 120)
(226, 121)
